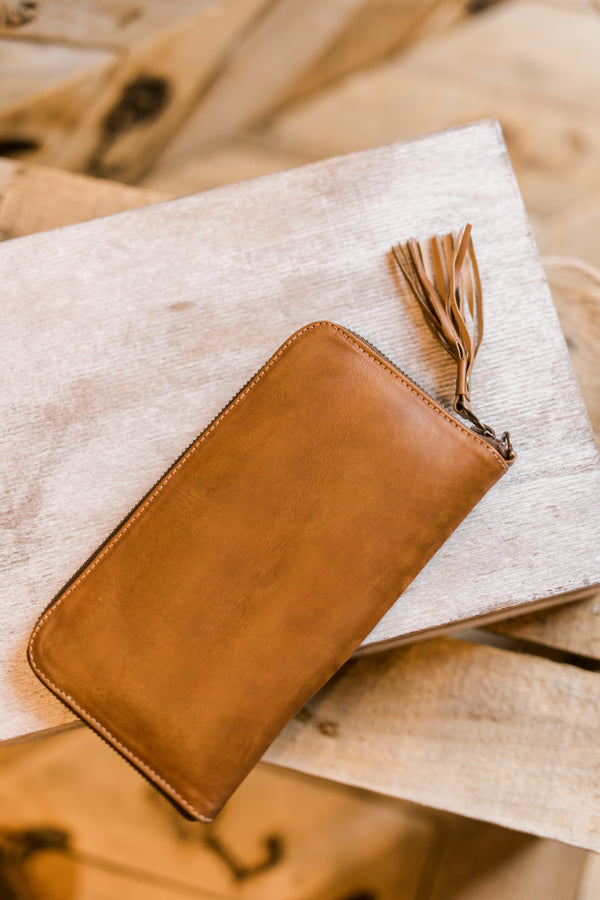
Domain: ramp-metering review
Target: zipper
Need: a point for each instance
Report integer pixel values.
(502, 445)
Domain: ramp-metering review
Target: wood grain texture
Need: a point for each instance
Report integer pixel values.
(181, 170)
(574, 627)
(34, 198)
(515, 63)
(57, 876)
(479, 862)
(577, 232)
(490, 734)
(307, 43)
(29, 71)
(377, 29)
(516, 55)
(335, 842)
(589, 886)
(576, 290)
(101, 91)
(327, 841)
(108, 23)
(287, 40)
(131, 351)
(45, 91)
(584, 6)
(176, 63)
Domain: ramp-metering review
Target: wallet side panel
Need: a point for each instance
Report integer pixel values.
(259, 563)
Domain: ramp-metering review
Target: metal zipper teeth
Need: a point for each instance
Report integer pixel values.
(494, 442)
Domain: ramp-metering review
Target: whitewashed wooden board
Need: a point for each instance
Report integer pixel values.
(504, 737)
(124, 336)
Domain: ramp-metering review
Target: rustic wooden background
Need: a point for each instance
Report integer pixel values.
(182, 97)
(179, 98)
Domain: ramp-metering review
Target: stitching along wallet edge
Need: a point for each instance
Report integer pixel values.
(264, 556)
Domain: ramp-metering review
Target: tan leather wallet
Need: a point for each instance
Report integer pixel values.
(263, 557)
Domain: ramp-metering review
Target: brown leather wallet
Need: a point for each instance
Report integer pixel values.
(259, 562)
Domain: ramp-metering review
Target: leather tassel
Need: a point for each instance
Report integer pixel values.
(444, 278)
(442, 274)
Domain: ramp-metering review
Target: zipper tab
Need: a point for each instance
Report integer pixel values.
(503, 443)
(443, 276)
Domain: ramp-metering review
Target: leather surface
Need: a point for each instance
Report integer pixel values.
(259, 563)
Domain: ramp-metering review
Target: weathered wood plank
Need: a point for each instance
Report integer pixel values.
(490, 734)
(316, 231)
(377, 29)
(584, 6)
(576, 291)
(286, 41)
(180, 170)
(573, 628)
(116, 124)
(535, 42)
(102, 23)
(113, 140)
(335, 842)
(480, 861)
(313, 838)
(34, 198)
(30, 70)
(514, 62)
(486, 862)
(589, 887)
(577, 233)
(46, 89)
(307, 43)
(57, 876)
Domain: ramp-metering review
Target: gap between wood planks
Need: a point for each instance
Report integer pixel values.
(530, 648)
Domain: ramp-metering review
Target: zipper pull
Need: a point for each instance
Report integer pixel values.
(444, 278)
(502, 444)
